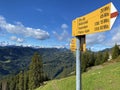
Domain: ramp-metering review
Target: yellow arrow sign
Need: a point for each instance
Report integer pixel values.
(73, 44)
(82, 42)
(74, 27)
(96, 21)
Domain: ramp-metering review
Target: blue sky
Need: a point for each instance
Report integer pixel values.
(47, 23)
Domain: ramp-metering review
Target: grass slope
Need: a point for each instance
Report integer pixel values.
(103, 77)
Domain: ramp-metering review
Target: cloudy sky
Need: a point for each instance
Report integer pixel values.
(47, 23)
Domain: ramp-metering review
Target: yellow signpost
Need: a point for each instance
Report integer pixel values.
(74, 27)
(96, 21)
(83, 43)
(73, 44)
(99, 20)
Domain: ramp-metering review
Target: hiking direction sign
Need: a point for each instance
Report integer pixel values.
(99, 20)
(73, 44)
(82, 45)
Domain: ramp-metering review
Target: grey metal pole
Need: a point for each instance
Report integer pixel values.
(78, 65)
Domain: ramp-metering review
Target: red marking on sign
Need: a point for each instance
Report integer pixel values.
(115, 14)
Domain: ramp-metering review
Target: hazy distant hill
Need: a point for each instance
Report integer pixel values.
(57, 62)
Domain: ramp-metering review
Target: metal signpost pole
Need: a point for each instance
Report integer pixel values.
(78, 66)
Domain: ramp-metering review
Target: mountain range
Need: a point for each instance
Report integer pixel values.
(56, 62)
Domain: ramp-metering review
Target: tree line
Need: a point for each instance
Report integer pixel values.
(90, 58)
(26, 80)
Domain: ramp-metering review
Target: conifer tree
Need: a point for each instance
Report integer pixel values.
(91, 59)
(12, 83)
(21, 81)
(35, 72)
(84, 61)
(0, 85)
(105, 56)
(7, 85)
(115, 52)
(99, 58)
(26, 80)
(17, 82)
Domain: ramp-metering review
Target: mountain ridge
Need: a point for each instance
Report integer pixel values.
(16, 58)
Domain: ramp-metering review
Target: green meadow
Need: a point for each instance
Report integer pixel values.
(102, 77)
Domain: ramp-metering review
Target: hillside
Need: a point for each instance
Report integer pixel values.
(102, 77)
(13, 59)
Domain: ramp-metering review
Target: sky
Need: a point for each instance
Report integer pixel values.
(48, 23)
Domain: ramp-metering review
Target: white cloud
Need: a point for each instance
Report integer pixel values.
(116, 35)
(16, 39)
(39, 9)
(59, 46)
(97, 38)
(19, 28)
(96, 41)
(20, 40)
(4, 43)
(64, 26)
(13, 38)
(64, 36)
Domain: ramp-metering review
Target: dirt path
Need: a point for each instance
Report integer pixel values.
(54, 85)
